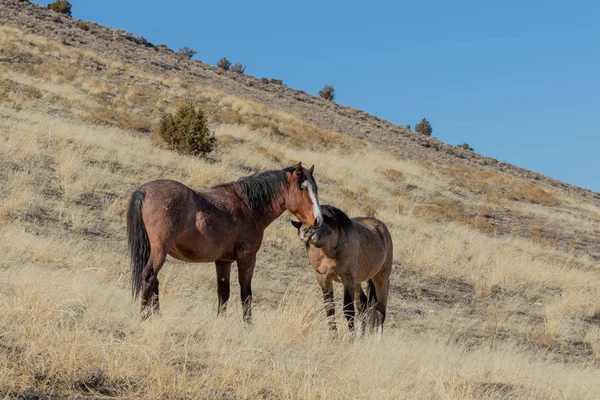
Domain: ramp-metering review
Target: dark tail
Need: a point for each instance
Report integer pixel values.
(139, 245)
(371, 294)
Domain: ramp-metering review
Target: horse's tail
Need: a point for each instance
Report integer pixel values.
(371, 294)
(139, 245)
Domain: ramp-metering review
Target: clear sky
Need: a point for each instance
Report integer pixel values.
(517, 80)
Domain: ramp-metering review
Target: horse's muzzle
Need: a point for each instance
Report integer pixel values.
(318, 224)
(306, 235)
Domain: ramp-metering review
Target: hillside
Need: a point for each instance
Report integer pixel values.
(137, 52)
(496, 286)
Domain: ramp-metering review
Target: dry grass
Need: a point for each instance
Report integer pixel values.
(393, 175)
(495, 186)
(472, 314)
(447, 211)
(127, 120)
(101, 351)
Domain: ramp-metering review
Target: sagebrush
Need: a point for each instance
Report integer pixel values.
(61, 6)
(224, 64)
(187, 131)
(327, 93)
(238, 68)
(186, 52)
(424, 127)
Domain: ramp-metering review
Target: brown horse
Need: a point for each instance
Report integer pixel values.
(350, 251)
(224, 224)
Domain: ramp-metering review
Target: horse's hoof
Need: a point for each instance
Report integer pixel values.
(351, 335)
(361, 331)
(148, 312)
(333, 334)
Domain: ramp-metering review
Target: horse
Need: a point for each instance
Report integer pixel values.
(220, 225)
(350, 251)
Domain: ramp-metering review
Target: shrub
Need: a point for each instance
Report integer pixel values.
(408, 126)
(264, 80)
(84, 26)
(224, 64)
(187, 131)
(60, 6)
(327, 93)
(424, 127)
(238, 68)
(277, 81)
(466, 146)
(186, 52)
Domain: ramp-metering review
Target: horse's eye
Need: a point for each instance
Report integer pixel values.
(303, 188)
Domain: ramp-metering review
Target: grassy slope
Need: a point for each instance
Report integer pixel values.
(513, 316)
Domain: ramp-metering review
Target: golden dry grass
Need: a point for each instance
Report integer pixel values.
(472, 315)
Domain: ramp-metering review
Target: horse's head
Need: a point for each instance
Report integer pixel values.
(317, 237)
(335, 224)
(302, 198)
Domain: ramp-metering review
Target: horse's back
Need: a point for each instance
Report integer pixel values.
(374, 225)
(166, 195)
(375, 230)
(165, 186)
(176, 198)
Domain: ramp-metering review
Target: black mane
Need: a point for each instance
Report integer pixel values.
(335, 218)
(262, 188)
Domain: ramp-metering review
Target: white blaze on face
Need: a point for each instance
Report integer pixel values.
(315, 201)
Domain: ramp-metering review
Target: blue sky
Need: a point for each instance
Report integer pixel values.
(519, 81)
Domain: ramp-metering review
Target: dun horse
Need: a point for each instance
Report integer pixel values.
(224, 224)
(350, 251)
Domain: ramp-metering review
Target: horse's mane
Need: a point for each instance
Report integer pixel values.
(260, 190)
(335, 218)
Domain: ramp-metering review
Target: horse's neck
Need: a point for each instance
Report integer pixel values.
(262, 219)
(271, 215)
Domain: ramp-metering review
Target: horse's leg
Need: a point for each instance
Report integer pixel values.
(327, 288)
(223, 274)
(245, 271)
(360, 299)
(381, 282)
(150, 303)
(371, 302)
(349, 282)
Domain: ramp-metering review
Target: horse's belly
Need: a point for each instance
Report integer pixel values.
(368, 273)
(198, 254)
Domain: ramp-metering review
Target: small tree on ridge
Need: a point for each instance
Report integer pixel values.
(186, 52)
(238, 68)
(327, 93)
(424, 127)
(60, 6)
(224, 64)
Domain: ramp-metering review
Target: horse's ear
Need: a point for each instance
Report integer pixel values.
(297, 224)
(298, 169)
(311, 169)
